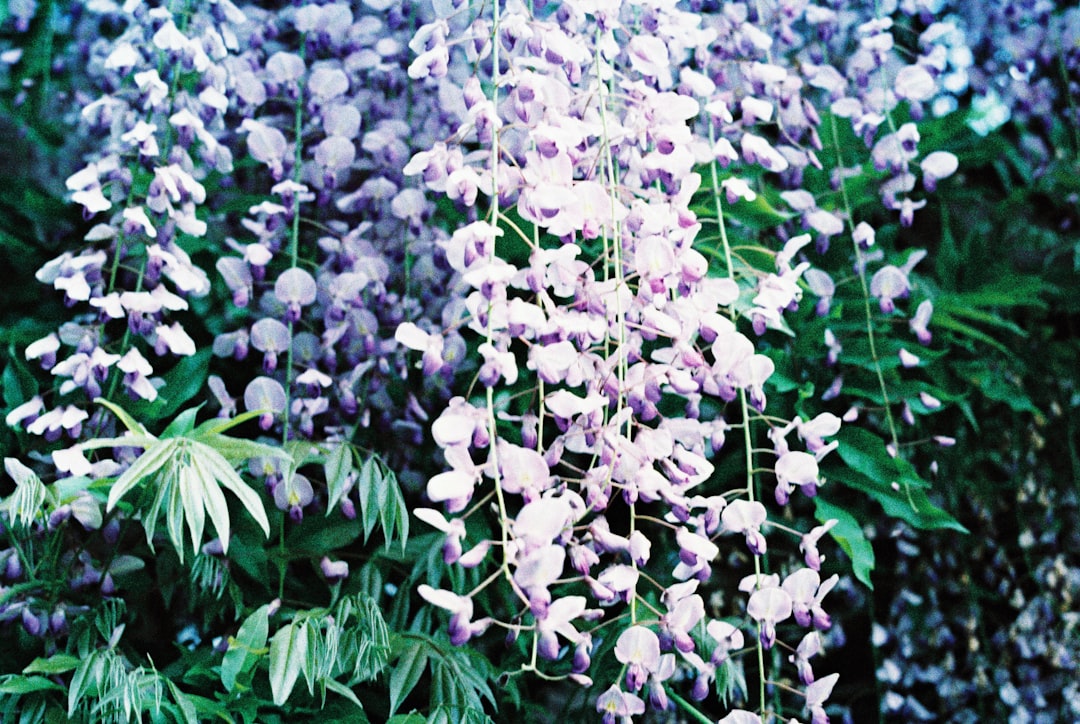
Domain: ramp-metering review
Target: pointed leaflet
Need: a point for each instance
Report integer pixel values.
(148, 463)
(182, 424)
(338, 465)
(149, 518)
(191, 496)
(183, 702)
(338, 688)
(129, 422)
(236, 450)
(143, 441)
(214, 500)
(25, 503)
(411, 663)
(849, 534)
(372, 495)
(216, 426)
(288, 649)
(174, 519)
(245, 648)
(225, 475)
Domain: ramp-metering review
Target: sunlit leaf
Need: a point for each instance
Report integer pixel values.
(288, 649)
(191, 493)
(25, 503)
(225, 475)
(146, 464)
(214, 500)
(129, 422)
(246, 648)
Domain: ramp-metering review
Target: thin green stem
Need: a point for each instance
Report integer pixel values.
(871, 338)
(748, 441)
(689, 708)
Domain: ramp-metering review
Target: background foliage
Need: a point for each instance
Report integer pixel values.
(256, 556)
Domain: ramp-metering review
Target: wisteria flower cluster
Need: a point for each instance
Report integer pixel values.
(543, 260)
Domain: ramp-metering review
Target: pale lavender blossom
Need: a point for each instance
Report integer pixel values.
(295, 288)
(816, 695)
(920, 321)
(265, 394)
(796, 469)
(638, 648)
(618, 706)
(936, 166)
(270, 337)
(334, 571)
(769, 606)
(808, 544)
(746, 517)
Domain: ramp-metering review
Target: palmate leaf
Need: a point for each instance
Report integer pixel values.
(25, 503)
(189, 471)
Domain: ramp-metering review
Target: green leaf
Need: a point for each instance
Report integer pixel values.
(412, 661)
(184, 703)
(182, 424)
(909, 503)
(372, 494)
(146, 464)
(245, 648)
(144, 441)
(340, 689)
(946, 321)
(865, 452)
(236, 450)
(81, 680)
(24, 505)
(338, 466)
(19, 685)
(225, 475)
(55, 664)
(191, 495)
(185, 380)
(217, 425)
(129, 422)
(174, 518)
(288, 649)
(214, 500)
(850, 536)
(18, 382)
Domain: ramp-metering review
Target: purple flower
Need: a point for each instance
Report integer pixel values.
(295, 288)
(769, 606)
(746, 517)
(727, 637)
(639, 649)
(334, 571)
(796, 469)
(293, 494)
(266, 394)
(270, 337)
(267, 145)
(887, 284)
(462, 628)
(920, 321)
(809, 541)
(936, 166)
(816, 695)
(619, 706)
